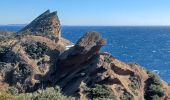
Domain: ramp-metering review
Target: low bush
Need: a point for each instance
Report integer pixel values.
(135, 83)
(36, 50)
(3, 51)
(21, 72)
(153, 89)
(6, 96)
(13, 90)
(43, 94)
(100, 92)
(126, 96)
(1, 65)
(156, 97)
(154, 78)
(107, 59)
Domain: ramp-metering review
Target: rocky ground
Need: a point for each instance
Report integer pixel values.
(37, 59)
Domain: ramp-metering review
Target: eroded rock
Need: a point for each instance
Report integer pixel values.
(46, 24)
(32, 53)
(35, 61)
(88, 46)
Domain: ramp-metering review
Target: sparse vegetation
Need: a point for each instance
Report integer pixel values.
(3, 50)
(24, 69)
(156, 90)
(100, 92)
(36, 50)
(22, 72)
(44, 60)
(135, 84)
(44, 94)
(107, 59)
(2, 65)
(153, 89)
(156, 97)
(126, 96)
(6, 96)
(13, 90)
(41, 94)
(154, 78)
(5, 34)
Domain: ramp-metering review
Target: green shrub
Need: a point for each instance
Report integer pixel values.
(6, 96)
(154, 78)
(156, 97)
(24, 69)
(13, 90)
(1, 65)
(22, 72)
(153, 88)
(24, 96)
(50, 94)
(156, 90)
(100, 92)
(107, 59)
(3, 51)
(36, 50)
(126, 96)
(135, 83)
(44, 94)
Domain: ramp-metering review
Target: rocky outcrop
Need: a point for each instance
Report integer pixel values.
(83, 66)
(27, 57)
(77, 57)
(46, 24)
(32, 60)
(88, 46)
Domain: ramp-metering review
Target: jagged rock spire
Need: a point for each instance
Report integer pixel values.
(46, 23)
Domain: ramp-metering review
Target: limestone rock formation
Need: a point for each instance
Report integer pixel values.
(88, 46)
(82, 67)
(32, 60)
(47, 24)
(28, 56)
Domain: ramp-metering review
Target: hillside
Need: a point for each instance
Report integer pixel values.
(36, 62)
(5, 34)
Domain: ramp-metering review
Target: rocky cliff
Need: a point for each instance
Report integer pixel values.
(47, 24)
(32, 60)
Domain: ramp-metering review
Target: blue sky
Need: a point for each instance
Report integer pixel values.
(89, 12)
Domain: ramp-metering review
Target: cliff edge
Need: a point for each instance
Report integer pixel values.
(37, 58)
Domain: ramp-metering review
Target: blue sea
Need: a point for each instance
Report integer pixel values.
(147, 46)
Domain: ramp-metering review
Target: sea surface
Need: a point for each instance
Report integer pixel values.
(147, 46)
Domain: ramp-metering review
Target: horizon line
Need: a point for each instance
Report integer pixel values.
(88, 25)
